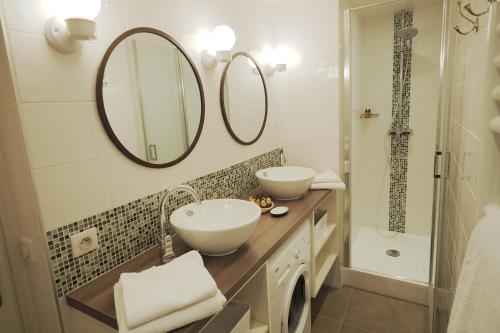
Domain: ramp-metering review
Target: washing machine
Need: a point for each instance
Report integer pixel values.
(289, 280)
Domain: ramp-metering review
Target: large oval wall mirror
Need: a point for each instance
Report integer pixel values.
(243, 98)
(150, 98)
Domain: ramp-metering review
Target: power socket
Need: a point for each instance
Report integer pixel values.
(84, 242)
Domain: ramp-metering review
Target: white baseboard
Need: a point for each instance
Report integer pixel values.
(408, 291)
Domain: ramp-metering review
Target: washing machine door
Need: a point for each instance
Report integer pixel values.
(297, 302)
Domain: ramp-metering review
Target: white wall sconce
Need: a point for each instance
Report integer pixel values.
(276, 60)
(217, 47)
(271, 68)
(279, 59)
(73, 25)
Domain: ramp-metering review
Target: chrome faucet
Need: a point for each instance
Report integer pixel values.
(283, 157)
(166, 250)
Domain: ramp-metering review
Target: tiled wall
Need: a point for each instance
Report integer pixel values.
(474, 178)
(18, 215)
(401, 89)
(133, 228)
(307, 96)
(54, 89)
(371, 75)
(72, 171)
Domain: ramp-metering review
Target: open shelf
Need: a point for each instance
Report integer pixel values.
(253, 293)
(324, 262)
(323, 236)
(325, 244)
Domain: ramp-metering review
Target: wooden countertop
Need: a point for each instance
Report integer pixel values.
(230, 272)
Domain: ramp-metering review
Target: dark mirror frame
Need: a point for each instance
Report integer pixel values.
(223, 107)
(102, 110)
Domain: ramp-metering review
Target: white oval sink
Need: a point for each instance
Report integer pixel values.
(216, 227)
(286, 182)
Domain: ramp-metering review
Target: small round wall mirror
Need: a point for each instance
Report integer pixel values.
(150, 98)
(243, 98)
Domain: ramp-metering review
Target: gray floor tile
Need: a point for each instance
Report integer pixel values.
(325, 325)
(332, 303)
(382, 314)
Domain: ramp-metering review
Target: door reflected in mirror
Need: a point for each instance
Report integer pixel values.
(243, 97)
(150, 98)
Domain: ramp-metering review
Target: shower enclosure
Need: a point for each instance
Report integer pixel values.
(392, 73)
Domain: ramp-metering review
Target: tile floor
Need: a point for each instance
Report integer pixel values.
(349, 310)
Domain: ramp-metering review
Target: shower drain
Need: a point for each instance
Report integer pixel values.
(393, 253)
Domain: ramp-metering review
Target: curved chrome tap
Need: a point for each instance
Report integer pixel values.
(283, 157)
(165, 241)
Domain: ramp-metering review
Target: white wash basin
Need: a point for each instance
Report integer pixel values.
(286, 182)
(216, 227)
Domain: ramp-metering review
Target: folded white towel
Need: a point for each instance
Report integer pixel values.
(328, 186)
(158, 291)
(327, 176)
(172, 321)
(476, 305)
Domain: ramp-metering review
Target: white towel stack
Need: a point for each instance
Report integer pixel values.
(476, 306)
(163, 298)
(327, 180)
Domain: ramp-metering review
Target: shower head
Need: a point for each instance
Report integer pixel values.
(407, 33)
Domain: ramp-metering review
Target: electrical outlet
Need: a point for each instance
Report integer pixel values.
(84, 242)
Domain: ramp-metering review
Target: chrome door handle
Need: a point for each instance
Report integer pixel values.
(437, 164)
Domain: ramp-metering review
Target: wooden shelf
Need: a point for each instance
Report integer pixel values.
(326, 233)
(322, 270)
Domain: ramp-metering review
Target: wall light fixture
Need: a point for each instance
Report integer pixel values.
(217, 46)
(279, 59)
(73, 24)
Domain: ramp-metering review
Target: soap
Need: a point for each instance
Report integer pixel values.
(279, 211)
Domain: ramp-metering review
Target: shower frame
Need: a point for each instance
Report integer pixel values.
(440, 163)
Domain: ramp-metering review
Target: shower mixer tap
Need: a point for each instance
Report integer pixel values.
(398, 132)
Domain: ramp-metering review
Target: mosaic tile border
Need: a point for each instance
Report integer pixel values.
(399, 143)
(126, 231)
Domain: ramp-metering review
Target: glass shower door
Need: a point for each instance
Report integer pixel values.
(394, 71)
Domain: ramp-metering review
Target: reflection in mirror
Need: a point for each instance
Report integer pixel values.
(150, 98)
(244, 99)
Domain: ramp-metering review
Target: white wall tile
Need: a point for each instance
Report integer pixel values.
(307, 94)
(21, 190)
(58, 133)
(26, 15)
(102, 143)
(472, 149)
(110, 21)
(119, 187)
(68, 193)
(11, 138)
(7, 95)
(45, 75)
